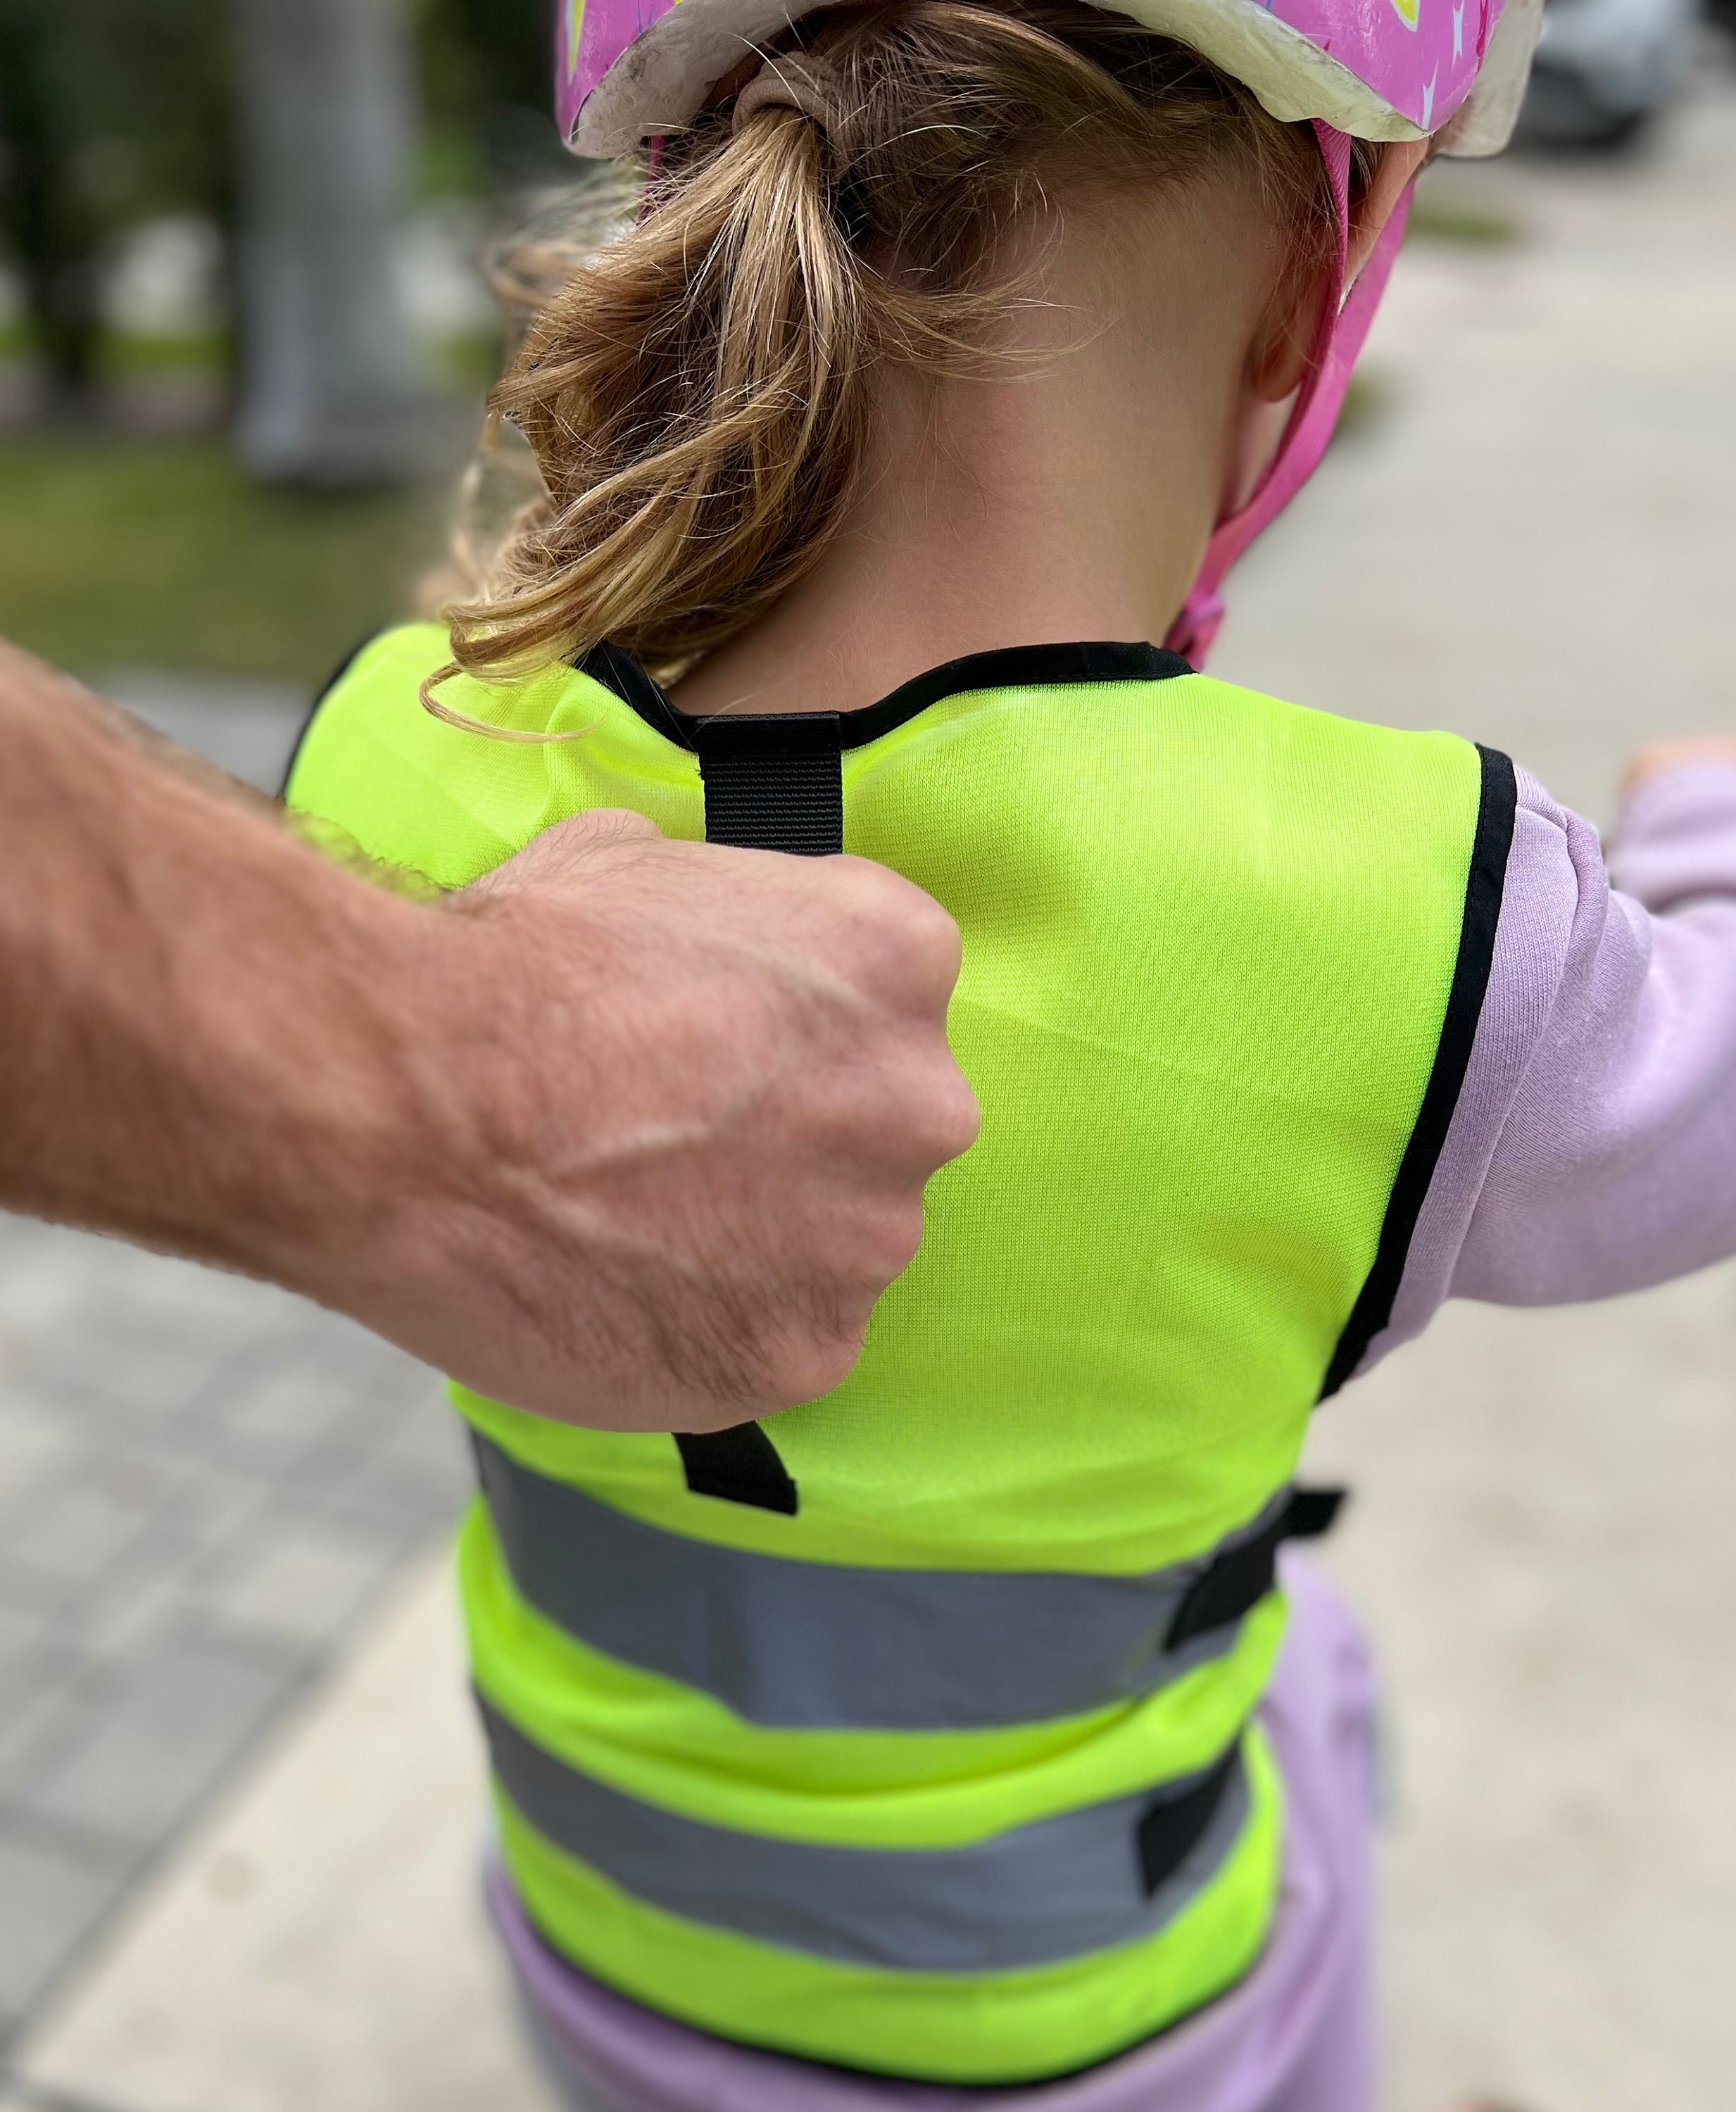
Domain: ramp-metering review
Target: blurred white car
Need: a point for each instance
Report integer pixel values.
(1605, 67)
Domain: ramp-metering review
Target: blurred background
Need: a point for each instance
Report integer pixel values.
(244, 342)
(242, 334)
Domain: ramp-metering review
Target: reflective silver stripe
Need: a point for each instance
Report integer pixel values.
(1058, 1889)
(810, 1645)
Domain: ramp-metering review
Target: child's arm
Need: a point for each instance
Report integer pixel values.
(1593, 1149)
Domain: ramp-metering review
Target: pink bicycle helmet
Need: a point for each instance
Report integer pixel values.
(1452, 70)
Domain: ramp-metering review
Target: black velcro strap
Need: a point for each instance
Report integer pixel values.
(738, 1466)
(1175, 1826)
(1241, 1576)
(774, 783)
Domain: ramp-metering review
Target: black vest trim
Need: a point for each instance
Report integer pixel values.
(1011, 668)
(325, 691)
(738, 1466)
(616, 669)
(1484, 886)
(1008, 667)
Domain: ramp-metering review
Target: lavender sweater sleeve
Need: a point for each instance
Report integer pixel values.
(1593, 1148)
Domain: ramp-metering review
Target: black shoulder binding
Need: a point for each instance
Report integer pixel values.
(1483, 887)
(1007, 668)
(331, 683)
(616, 669)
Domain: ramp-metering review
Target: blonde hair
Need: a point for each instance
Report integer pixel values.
(695, 393)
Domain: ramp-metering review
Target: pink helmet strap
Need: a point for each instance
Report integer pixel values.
(1344, 325)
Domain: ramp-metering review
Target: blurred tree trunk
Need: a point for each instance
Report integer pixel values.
(330, 389)
(51, 232)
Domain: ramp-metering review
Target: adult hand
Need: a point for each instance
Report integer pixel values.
(633, 1136)
(691, 1097)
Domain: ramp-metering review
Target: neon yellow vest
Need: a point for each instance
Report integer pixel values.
(915, 1732)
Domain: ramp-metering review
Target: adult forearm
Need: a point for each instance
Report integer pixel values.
(192, 1052)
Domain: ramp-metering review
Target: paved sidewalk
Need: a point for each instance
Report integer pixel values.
(248, 728)
(320, 1944)
(203, 1484)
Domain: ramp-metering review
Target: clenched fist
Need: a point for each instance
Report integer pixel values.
(693, 1096)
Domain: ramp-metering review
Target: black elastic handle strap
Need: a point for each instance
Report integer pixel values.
(772, 783)
(1240, 1576)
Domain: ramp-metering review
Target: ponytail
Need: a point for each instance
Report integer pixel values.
(696, 393)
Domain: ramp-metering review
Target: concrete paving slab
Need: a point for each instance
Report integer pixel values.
(322, 1943)
(304, 1589)
(54, 1900)
(179, 1553)
(167, 1734)
(247, 728)
(32, 1442)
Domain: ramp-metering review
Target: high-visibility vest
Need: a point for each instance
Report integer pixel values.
(914, 1731)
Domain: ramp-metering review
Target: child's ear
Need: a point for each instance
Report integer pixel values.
(1277, 359)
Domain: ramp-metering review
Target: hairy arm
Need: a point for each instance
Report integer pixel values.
(635, 1136)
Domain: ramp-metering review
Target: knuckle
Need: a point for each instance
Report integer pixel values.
(937, 954)
(870, 885)
(957, 1121)
(890, 1242)
(907, 942)
(819, 1365)
(932, 1108)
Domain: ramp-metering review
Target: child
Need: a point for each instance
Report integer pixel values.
(948, 1742)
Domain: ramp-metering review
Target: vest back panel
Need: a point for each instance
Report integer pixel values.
(1208, 938)
(1209, 942)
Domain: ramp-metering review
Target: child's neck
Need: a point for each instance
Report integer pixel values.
(1064, 497)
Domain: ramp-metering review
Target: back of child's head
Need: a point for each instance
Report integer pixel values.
(698, 393)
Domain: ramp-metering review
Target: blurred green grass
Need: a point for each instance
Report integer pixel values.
(1440, 216)
(144, 552)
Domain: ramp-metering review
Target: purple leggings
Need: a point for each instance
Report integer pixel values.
(1297, 2034)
